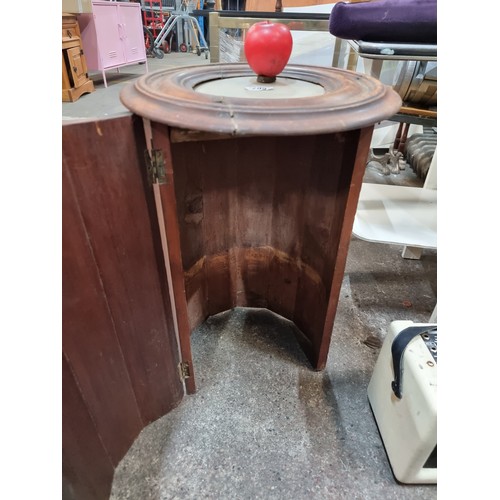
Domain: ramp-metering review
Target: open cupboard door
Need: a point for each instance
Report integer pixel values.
(160, 176)
(121, 363)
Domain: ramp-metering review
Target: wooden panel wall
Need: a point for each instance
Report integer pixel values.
(120, 354)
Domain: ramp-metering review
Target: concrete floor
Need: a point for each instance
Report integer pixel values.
(263, 424)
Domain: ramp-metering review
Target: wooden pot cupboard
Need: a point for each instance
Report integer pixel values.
(203, 199)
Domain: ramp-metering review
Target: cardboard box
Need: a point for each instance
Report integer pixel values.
(77, 6)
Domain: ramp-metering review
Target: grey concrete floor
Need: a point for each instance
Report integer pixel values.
(263, 424)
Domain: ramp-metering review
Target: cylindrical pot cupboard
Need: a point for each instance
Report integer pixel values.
(256, 188)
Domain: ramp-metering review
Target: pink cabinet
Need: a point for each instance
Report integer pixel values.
(112, 36)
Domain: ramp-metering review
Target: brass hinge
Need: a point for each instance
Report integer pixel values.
(155, 165)
(184, 370)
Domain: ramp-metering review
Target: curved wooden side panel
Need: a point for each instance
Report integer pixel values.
(86, 467)
(265, 222)
(120, 354)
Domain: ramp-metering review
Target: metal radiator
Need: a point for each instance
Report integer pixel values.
(419, 150)
(416, 151)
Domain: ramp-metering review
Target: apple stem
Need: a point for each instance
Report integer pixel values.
(266, 79)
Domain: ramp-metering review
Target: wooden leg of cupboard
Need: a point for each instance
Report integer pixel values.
(70, 93)
(73, 94)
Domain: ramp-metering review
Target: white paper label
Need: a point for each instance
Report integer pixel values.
(258, 88)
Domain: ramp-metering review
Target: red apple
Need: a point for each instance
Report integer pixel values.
(267, 48)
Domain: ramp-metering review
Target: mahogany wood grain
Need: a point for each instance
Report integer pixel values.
(118, 340)
(89, 338)
(351, 187)
(121, 226)
(87, 468)
(168, 205)
(261, 222)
